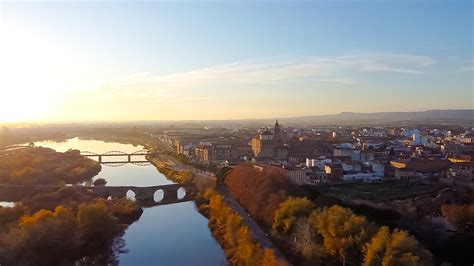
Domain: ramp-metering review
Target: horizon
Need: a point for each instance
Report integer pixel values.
(266, 119)
(231, 61)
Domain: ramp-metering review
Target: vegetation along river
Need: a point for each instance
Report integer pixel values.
(173, 234)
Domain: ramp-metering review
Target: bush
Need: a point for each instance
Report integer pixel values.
(100, 182)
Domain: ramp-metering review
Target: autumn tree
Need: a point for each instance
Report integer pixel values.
(248, 251)
(100, 182)
(260, 192)
(228, 228)
(395, 248)
(344, 234)
(37, 165)
(289, 211)
(96, 223)
(40, 237)
(269, 259)
(307, 243)
(462, 216)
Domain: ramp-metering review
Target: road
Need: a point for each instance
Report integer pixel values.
(254, 228)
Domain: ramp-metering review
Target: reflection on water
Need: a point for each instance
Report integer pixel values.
(7, 204)
(165, 235)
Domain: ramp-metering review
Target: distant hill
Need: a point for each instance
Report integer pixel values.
(462, 115)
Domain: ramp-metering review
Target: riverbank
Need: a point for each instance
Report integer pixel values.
(233, 233)
(226, 222)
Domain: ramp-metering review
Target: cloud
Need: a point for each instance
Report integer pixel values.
(344, 70)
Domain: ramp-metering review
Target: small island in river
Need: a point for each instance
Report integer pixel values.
(83, 229)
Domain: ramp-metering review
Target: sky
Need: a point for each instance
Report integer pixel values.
(185, 60)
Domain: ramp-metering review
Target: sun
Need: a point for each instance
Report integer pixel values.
(22, 92)
(31, 69)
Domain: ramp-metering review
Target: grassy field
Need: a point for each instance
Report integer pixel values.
(386, 191)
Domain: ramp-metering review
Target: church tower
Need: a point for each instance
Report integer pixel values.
(276, 131)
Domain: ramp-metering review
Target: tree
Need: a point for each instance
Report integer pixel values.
(344, 233)
(395, 248)
(222, 173)
(228, 228)
(289, 211)
(260, 192)
(8, 215)
(231, 236)
(462, 216)
(95, 222)
(40, 237)
(248, 251)
(307, 243)
(100, 182)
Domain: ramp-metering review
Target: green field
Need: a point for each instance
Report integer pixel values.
(386, 191)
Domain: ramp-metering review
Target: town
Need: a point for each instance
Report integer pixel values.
(333, 155)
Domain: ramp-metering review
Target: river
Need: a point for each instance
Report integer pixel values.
(175, 234)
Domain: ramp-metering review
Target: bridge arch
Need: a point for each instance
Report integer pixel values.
(115, 153)
(141, 152)
(114, 164)
(181, 193)
(159, 195)
(131, 195)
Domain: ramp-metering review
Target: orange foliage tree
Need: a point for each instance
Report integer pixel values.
(234, 236)
(260, 192)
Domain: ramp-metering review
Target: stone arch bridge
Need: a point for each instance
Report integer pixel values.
(145, 196)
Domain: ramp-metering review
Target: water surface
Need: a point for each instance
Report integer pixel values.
(174, 234)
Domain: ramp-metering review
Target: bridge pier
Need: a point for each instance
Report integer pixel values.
(144, 193)
(129, 158)
(100, 158)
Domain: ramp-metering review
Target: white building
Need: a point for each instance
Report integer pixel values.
(366, 177)
(319, 163)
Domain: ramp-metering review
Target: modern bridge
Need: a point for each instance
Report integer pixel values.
(144, 196)
(129, 156)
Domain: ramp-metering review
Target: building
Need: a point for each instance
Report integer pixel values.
(299, 176)
(334, 171)
(420, 168)
(453, 149)
(213, 154)
(277, 133)
(368, 177)
(405, 174)
(318, 177)
(367, 155)
(461, 171)
(343, 152)
(264, 145)
(282, 153)
(319, 163)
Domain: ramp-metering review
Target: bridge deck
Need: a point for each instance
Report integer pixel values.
(116, 154)
(143, 195)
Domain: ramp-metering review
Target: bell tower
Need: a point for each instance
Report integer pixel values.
(276, 131)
